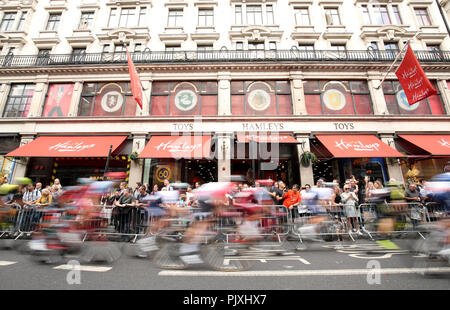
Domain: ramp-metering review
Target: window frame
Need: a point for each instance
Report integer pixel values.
(205, 20)
(419, 17)
(53, 25)
(89, 21)
(397, 107)
(169, 92)
(299, 12)
(8, 22)
(175, 17)
(19, 98)
(352, 92)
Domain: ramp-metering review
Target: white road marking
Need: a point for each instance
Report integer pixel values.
(226, 261)
(284, 273)
(84, 268)
(6, 263)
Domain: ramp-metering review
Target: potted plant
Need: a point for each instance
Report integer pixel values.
(307, 157)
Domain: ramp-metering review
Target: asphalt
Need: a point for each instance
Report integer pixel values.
(318, 267)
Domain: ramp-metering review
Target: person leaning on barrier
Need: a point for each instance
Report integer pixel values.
(45, 200)
(292, 200)
(412, 194)
(125, 203)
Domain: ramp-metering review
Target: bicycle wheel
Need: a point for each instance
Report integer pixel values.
(223, 258)
(166, 257)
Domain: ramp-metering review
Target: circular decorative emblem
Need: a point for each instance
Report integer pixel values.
(112, 101)
(403, 101)
(259, 100)
(185, 100)
(163, 173)
(334, 99)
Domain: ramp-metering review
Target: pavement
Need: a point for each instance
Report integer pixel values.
(319, 266)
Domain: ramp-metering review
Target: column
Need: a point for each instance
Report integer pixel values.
(37, 101)
(306, 173)
(445, 94)
(146, 80)
(137, 166)
(4, 92)
(393, 164)
(20, 166)
(224, 94)
(298, 95)
(224, 149)
(76, 97)
(377, 95)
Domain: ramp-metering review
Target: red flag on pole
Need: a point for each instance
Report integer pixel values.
(413, 79)
(136, 86)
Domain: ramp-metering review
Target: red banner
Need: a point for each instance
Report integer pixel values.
(413, 79)
(136, 86)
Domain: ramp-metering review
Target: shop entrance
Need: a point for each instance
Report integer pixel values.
(182, 170)
(284, 170)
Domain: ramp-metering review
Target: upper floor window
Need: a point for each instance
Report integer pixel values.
(8, 21)
(255, 46)
(256, 98)
(107, 99)
(43, 57)
(19, 100)
(173, 48)
(391, 48)
(204, 48)
(184, 98)
(53, 21)
(332, 16)
(397, 103)
(58, 100)
(337, 97)
(302, 17)
(127, 17)
(422, 16)
(238, 14)
(86, 20)
(381, 14)
(397, 16)
(205, 17)
(269, 14)
(254, 15)
(306, 47)
(175, 18)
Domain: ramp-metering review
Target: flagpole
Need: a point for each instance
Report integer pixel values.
(392, 65)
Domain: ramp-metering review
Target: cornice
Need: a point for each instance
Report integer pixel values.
(208, 67)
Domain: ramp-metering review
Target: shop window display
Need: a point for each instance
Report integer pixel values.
(184, 98)
(261, 98)
(337, 97)
(397, 103)
(107, 99)
(57, 103)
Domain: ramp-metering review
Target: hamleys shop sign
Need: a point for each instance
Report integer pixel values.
(444, 143)
(357, 145)
(70, 146)
(174, 147)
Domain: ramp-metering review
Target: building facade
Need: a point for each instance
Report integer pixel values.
(224, 78)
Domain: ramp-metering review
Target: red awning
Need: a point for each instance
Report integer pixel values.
(355, 146)
(69, 146)
(433, 144)
(177, 147)
(267, 138)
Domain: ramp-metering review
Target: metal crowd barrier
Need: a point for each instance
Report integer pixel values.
(278, 221)
(8, 220)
